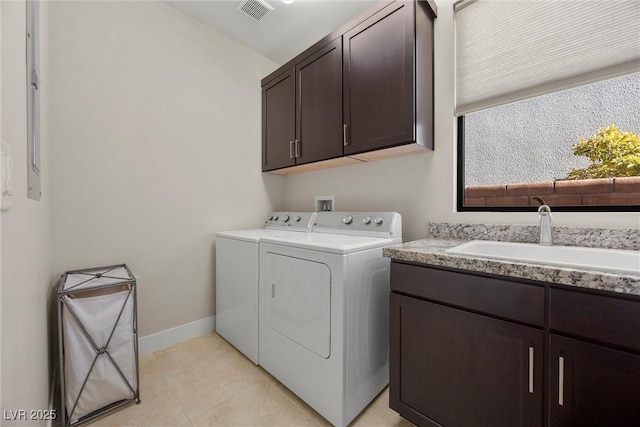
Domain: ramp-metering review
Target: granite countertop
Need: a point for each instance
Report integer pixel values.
(432, 252)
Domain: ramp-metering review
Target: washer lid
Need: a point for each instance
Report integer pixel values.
(334, 243)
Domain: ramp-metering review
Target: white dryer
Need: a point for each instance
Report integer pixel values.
(324, 310)
(237, 269)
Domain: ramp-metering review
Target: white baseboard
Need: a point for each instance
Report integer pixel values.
(176, 335)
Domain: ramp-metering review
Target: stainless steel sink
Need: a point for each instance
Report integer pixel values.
(607, 260)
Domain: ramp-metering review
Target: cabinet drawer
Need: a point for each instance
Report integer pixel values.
(501, 298)
(605, 319)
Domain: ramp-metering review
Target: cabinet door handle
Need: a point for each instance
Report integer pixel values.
(345, 135)
(530, 369)
(297, 148)
(291, 154)
(561, 381)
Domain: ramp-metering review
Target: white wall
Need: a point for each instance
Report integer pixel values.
(1, 288)
(422, 187)
(156, 128)
(26, 265)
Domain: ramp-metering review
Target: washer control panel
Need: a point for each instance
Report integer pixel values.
(289, 220)
(358, 223)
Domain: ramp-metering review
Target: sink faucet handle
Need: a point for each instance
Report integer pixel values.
(539, 200)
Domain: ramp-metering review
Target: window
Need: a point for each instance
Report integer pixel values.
(533, 78)
(514, 152)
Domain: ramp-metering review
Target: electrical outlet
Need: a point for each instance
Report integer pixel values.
(325, 203)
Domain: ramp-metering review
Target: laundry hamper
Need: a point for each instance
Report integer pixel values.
(97, 326)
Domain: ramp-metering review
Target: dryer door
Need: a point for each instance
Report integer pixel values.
(300, 303)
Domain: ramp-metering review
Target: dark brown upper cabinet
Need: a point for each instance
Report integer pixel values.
(362, 93)
(319, 105)
(302, 111)
(279, 121)
(379, 81)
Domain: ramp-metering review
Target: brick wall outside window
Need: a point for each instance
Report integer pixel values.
(584, 192)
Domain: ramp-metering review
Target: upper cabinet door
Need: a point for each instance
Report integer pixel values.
(319, 105)
(378, 70)
(279, 122)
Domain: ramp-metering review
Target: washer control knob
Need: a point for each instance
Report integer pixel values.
(378, 221)
(286, 218)
(275, 217)
(297, 218)
(366, 220)
(270, 218)
(347, 219)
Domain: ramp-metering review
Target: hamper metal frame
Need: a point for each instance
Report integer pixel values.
(96, 273)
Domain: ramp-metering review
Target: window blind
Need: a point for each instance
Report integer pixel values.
(508, 50)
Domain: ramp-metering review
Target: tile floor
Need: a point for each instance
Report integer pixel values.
(207, 382)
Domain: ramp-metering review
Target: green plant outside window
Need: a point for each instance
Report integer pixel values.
(612, 153)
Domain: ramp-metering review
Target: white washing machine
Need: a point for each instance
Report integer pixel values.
(324, 310)
(237, 269)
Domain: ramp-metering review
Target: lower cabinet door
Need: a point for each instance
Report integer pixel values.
(450, 367)
(593, 385)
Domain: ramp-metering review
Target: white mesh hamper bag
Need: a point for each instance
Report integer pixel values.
(98, 342)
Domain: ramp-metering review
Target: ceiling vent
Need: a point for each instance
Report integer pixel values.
(255, 9)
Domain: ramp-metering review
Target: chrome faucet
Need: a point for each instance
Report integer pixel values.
(546, 227)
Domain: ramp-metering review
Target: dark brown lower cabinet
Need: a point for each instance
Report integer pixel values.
(593, 385)
(455, 368)
(468, 349)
